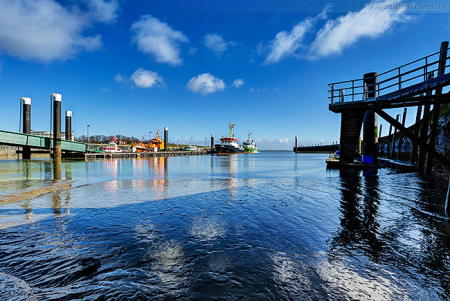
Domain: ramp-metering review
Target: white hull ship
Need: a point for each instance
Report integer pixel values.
(229, 145)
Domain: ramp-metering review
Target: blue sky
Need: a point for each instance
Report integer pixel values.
(195, 66)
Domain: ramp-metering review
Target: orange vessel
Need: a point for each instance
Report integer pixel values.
(154, 144)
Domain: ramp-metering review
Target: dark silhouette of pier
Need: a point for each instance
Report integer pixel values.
(419, 84)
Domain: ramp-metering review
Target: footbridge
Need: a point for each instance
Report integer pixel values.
(419, 83)
(39, 142)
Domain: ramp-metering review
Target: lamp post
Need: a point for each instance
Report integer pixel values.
(205, 142)
(149, 136)
(87, 130)
(181, 139)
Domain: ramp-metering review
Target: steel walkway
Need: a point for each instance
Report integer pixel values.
(33, 141)
(404, 86)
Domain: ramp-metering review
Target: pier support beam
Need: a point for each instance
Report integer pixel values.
(56, 126)
(400, 138)
(351, 123)
(424, 130)
(388, 147)
(69, 125)
(447, 205)
(26, 118)
(416, 132)
(370, 137)
(397, 118)
(436, 106)
(166, 138)
(422, 144)
(370, 129)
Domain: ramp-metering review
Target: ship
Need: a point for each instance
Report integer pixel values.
(153, 145)
(112, 147)
(191, 147)
(250, 146)
(229, 145)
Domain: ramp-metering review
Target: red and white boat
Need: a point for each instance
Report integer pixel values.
(229, 145)
(112, 147)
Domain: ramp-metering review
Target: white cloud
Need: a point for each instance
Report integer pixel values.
(275, 144)
(259, 90)
(287, 43)
(146, 79)
(237, 83)
(372, 21)
(158, 39)
(103, 11)
(46, 31)
(192, 51)
(120, 78)
(216, 43)
(205, 83)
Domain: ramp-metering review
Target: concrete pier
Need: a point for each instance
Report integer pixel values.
(370, 128)
(351, 122)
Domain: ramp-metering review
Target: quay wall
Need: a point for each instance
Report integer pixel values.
(7, 151)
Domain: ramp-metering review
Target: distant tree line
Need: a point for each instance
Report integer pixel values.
(102, 139)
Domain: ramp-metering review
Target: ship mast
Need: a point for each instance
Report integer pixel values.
(231, 129)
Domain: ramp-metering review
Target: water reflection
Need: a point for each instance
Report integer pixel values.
(228, 166)
(296, 234)
(57, 169)
(159, 174)
(68, 171)
(359, 208)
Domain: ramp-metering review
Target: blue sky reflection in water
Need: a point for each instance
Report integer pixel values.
(274, 226)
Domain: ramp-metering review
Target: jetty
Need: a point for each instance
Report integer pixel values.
(91, 156)
(360, 101)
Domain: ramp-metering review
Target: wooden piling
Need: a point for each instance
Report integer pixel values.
(424, 131)
(436, 106)
(416, 132)
(400, 138)
(447, 205)
(388, 148)
(397, 118)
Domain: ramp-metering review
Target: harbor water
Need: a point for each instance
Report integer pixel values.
(268, 226)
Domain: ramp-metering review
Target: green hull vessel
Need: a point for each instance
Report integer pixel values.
(250, 146)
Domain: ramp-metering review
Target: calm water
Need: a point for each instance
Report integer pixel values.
(270, 226)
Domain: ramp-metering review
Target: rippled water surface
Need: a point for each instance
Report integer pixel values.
(268, 226)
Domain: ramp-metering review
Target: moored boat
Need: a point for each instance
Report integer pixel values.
(229, 145)
(190, 148)
(153, 145)
(250, 145)
(112, 147)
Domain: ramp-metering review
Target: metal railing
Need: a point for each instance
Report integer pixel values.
(407, 75)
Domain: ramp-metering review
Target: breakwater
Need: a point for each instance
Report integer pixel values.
(317, 148)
